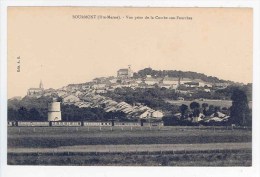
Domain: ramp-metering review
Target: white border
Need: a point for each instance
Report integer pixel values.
(32, 171)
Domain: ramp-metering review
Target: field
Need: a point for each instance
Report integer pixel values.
(221, 103)
(208, 158)
(171, 146)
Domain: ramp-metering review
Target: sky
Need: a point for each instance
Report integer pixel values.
(59, 50)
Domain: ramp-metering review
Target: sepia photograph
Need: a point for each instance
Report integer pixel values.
(129, 86)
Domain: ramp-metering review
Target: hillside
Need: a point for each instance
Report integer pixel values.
(129, 96)
(182, 74)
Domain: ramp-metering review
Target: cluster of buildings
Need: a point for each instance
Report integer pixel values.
(84, 96)
(215, 117)
(92, 100)
(90, 94)
(125, 79)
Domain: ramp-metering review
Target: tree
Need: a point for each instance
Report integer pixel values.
(239, 111)
(110, 115)
(34, 114)
(22, 113)
(12, 114)
(211, 110)
(120, 115)
(196, 112)
(216, 110)
(183, 108)
(195, 107)
(204, 106)
(170, 121)
(225, 110)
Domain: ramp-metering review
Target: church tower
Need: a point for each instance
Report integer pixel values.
(130, 72)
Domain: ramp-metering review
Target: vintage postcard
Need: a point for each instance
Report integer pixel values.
(129, 86)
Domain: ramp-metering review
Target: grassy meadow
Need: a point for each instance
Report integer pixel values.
(169, 146)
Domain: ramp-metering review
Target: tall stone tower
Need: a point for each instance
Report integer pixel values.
(54, 112)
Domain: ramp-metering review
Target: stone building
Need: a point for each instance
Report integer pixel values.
(36, 91)
(125, 73)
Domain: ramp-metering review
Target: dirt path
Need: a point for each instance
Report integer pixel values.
(136, 148)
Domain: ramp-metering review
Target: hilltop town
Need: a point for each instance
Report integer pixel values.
(120, 93)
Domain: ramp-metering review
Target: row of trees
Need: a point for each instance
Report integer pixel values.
(194, 109)
(74, 113)
(239, 112)
(69, 113)
(174, 73)
(24, 114)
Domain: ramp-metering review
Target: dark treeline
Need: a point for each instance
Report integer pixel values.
(239, 113)
(24, 114)
(194, 109)
(74, 113)
(36, 109)
(68, 113)
(28, 109)
(226, 93)
(219, 94)
(173, 73)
